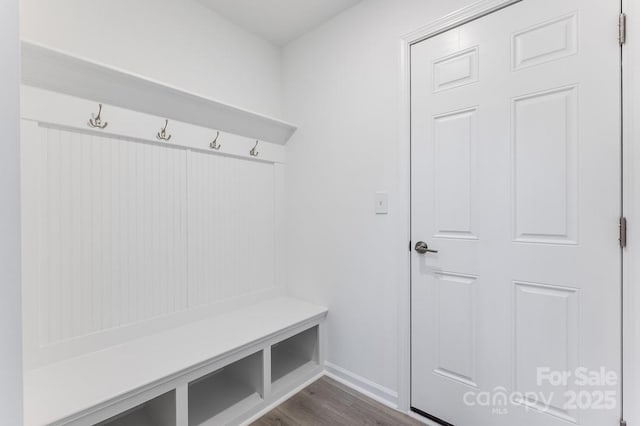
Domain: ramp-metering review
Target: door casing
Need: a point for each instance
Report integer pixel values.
(631, 210)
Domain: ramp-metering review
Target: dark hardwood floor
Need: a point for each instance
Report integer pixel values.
(327, 402)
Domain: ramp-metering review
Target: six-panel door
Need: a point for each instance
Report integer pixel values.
(516, 184)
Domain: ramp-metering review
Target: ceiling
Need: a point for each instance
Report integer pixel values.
(278, 21)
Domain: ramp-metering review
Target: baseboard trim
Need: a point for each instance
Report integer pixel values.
(281, 400)
(366, 387)
(358, 383)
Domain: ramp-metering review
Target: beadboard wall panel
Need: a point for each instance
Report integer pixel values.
(110, 236)
(231, 220)
(124, 237)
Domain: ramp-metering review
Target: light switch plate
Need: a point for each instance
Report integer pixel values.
(382, 203)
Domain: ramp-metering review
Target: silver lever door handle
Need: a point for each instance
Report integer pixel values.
(422, 248)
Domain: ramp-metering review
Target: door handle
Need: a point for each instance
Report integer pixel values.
(422, 248)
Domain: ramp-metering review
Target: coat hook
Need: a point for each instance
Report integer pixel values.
(96, 121)
(162, 134)
(215, 145)
(253, 152)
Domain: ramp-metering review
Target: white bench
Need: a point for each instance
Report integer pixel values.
(221, 370)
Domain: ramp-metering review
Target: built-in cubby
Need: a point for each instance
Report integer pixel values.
(293, 357)
(225, 394)
(160, 411)
(212, 372)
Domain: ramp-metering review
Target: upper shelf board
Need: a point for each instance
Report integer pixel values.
(57, 71)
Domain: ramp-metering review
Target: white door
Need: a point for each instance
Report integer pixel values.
(516, 185)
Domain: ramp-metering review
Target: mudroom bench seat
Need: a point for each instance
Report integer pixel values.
(221, 370)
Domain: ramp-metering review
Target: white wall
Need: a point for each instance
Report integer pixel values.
(178, 42)
(10, 311)
(342, 86)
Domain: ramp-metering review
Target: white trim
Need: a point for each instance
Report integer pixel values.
(365, 386)
(631, 210)
(345, 382)
(455, 19)
(282, 399)
(404, 290)
(182, 405)
(10, 218)
(447, 22)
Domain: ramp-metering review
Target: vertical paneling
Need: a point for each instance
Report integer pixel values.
(110, 243)
(119, 232)
(231, 228)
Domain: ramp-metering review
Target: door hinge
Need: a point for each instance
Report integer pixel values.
(622, 29)
(623, 232)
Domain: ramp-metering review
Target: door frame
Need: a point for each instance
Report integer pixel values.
(631, 210)
(631, 204)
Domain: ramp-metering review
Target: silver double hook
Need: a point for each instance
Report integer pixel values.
(162, 134)
(95, 121)
(253, 151)
(214, 144)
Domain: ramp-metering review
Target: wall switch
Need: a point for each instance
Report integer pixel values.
(382, 203)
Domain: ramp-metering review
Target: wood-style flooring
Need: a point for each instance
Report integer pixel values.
(327, 402)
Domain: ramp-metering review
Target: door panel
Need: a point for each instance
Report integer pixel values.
(516, 185)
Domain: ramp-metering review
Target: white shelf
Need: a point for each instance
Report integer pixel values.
(160, 411)
(58, 71)
(85, 384)
(220, 397)
(299, 373)
(293, 358)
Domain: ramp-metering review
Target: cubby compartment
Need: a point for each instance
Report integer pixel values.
(160, 411)
(294, 357)
(225, 394)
